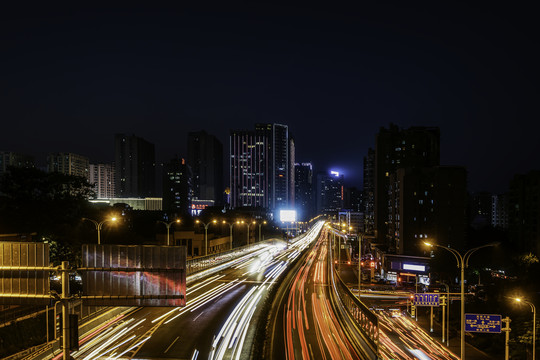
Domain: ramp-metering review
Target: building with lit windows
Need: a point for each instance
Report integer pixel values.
(102, 176)
(427, 203)
(414, 147)
(69, 164)
(8, 158)
(260, 167)
(177, 187)
(329, 192)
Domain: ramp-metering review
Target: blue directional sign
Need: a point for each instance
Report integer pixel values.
(485, 323)
(426, 299)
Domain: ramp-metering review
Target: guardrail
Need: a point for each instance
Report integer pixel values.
(365, 320)
(205, 262)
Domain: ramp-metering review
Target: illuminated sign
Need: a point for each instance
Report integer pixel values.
(414, 267)
(485, 323)
(287, 215)
(426, 299)
(335, 173)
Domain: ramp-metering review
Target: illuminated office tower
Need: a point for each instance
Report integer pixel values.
(260, 163)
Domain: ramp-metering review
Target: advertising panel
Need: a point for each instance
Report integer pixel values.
(287, 215)
(134, 275)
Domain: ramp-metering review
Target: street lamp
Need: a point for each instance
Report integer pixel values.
(230, 228)
(533, 309)
(462, 263)
(206, 225)
(260, 224)
(168, 225)
(99, 226)
(248, 225)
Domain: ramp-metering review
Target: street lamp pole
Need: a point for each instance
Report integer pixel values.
(264, 222)
(206, 225)
(533, 309)
(168, 225)
(462, 263)
(359, 263)
(230, 229)
(248, 225)
(99, 226)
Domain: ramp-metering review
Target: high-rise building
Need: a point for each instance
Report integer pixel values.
(102, 176)
(303, 183)
(177, 187)
(499, 211)
(205, 157)
(523, 212)
(395, 148)
(292, 172)
(260, 164)
(8, 158)
(369, 192)
(427, 203)
(329, 192)
(135, 167)
(69, 164)
(352, 199)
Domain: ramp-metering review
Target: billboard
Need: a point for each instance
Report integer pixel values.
(134, 275)
(24, 273)
(287, 215)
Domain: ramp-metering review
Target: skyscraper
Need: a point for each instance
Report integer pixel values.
(426, 203)
(205, 157)
(303, 183)
(400, 148)
(260, 163)
(177, 187)
(523, 212)
(369, 192)
(329, 192)
(135, 167)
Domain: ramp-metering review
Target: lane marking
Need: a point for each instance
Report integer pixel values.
(171, 344)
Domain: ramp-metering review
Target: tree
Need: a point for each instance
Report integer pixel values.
(50, 204)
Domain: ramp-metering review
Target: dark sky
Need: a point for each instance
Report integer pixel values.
(73, 77)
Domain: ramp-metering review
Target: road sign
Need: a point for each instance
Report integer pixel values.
(426, 299)
(485, 323)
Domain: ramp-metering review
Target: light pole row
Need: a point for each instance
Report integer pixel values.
(462, 263)
(99, 226)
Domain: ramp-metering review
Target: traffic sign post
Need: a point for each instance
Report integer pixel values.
(484, 323)
(426, 299)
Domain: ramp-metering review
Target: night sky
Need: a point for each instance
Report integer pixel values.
(72, 77)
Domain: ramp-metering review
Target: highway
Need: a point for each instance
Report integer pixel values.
(303, 324)
(218, 322)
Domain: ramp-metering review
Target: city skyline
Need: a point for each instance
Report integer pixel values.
(74, 77)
